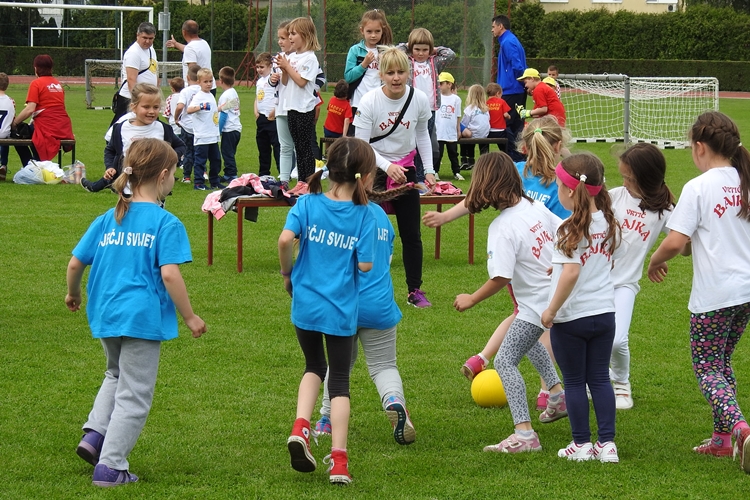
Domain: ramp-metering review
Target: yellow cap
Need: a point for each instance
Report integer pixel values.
(529, 73)
(446, 77)
(550, 81)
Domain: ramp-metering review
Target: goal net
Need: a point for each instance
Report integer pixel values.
(104, 76)
(660, 110)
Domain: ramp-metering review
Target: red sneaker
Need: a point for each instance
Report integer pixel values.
(708, 447)
(541, 400)
(742, 447)
(299, 447)
(338, 468)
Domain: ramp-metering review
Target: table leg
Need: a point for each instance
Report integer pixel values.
(210, 239)
(437, 236)
(240, 216)
(471, 238)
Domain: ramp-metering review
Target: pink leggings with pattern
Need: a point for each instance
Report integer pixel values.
(713, 338)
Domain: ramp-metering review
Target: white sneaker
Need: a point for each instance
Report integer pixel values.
(294, 174)
(606, 453)
(459, 177)
(623, 395)
(579, 453)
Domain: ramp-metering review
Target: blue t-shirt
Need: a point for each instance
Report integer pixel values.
(377, 306)
(334, 237)
(126, 294)
(536, 190)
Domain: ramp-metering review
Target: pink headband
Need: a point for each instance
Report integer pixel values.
(572, 182)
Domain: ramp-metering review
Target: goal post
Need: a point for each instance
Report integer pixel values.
(106, 74)
(619, 108)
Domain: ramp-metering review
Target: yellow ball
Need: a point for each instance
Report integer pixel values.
(487, 390)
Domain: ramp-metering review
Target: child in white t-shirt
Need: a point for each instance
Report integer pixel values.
(176, 84)
(581, 311)
(519, 248)
(185, 121)
(230, 127)
(712, 217)
(475, 124)
(7, 114)
(448, 124)
(206, 131)
(266, 133)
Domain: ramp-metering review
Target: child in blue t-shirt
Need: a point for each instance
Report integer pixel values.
(338, 228)
(376, 329)
(134, 251)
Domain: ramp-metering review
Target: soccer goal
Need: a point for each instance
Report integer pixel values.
(106, 75)
(613, 108)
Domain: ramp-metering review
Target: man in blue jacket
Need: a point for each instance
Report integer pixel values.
(511, 63)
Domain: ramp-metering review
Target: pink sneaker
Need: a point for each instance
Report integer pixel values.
(708, 447)
(473, 366)
(514, 444)
(418, 299)
(554, 411)
(299, 189)
(742, 447)
(541, 400)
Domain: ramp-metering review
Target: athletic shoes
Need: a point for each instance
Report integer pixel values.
(299, 447)
(218, 185)
(338, 467)
(228, 178)
(606, 452)
(458, 177)
(86, 184)
(323, 426)
(541, 400)
(473, 366)
(554, 411)
(3, 172)
(417, 298)
(90, 447)
(742, 447)
(514, 444)
(200, 187)
(300, 189)
(709, 447)
(623, 395)
(187, 180)
(579, 453)
(403, 429)
(104, 476)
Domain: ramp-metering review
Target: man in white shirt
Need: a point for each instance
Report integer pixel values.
(195, 51)
(139, 65)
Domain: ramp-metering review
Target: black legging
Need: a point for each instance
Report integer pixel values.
(302, 130)
(408, 218)
(339, 358)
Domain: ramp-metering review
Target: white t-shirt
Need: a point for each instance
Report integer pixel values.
(640, 230)
(7, 113)
(205, 122)
(707, 213)
(298, 98)
(446, 118)
(197, 51)
(130, 133)
(477, 121)
(127, 116)
(594, 292)
(139, 59)
(422, 79)
(370, 80)
(519, 246)
(265, 95)
(186, 96)
(169, 108)
(375, 116)
(232, 123)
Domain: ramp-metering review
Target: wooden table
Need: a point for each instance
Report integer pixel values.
(262, 202)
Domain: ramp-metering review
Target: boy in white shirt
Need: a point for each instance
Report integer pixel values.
(448, 124)
(206, 132)
(185, 121)
(266, 135)
(230, 127)
(7, 114)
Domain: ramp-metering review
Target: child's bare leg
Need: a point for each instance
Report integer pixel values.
(340, 410)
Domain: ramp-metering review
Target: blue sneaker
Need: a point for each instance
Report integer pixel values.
(90, 447)
(106, 477)
(403, 429)
(218, 186)
(323, 426)
(200, 187)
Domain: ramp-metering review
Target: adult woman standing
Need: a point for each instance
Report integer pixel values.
(45, 102)
(393, 119)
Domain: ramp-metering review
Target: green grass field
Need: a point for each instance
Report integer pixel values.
(225, 403)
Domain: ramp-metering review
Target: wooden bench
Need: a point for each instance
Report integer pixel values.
(247, 202)
(27, 142)
(324, 142)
